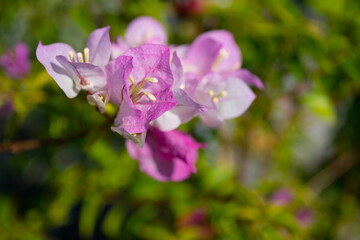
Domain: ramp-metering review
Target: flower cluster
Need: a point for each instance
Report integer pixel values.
(16, 62)
(156, 87)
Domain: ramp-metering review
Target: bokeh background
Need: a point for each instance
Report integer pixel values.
(286, 169)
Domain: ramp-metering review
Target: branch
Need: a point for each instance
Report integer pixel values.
(333, 171)
(15, 147)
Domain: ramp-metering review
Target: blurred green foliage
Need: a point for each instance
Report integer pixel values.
(301, 133)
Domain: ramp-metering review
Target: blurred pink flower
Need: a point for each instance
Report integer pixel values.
(281, 197)
(198, 220)
(16, 62)
(139, 31)
(223, 85)
(305, 217)
(166, 156)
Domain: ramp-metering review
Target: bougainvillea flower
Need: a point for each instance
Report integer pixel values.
(75, 71)
(166, 156)
(222, 55)
(140, 31)
(304, 216)
(199, 57)
(16, 62)
(225, 97)
(183, 88)
(99, 100)
(229, 57)
(144, 94)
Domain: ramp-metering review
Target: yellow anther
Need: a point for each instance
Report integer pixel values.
(71, 56)
(80, 57)
(151, 80)
(102, 97)
(222, 94)
(150, 96)
(182, 86)
(134, 134)
(217, 97)
(86, 54)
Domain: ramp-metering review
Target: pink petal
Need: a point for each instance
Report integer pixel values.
(246, 76)
(166, 156)
(231, 53)
(177, 70)
(118, 71)
(93, 76)
(118, 48)
(184, 111)
(100, 46)
(238, 99)
(145, 30)
(46, 56)
(201, 55)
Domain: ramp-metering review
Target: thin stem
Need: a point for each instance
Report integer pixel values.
(333, 171)
(19, 146)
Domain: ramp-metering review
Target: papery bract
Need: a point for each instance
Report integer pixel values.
(225, 97)
(148, 90)
(166, 156)
(216, 51)
(140, 31)
(183, 88)
(73, 72)
(229, 57)
(16, 62)
(200, 56)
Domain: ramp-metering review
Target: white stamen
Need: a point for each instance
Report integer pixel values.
(137, 89)
(132, 85)
(147, 34)
(86, 54)
(151, 80)
(80, 57)
(236, 65)
(71, 56)
(150, 96)
(137, 97)
(132, 80)
(223, 54)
